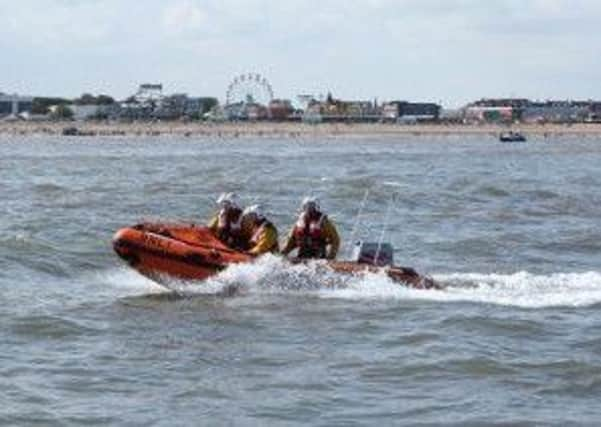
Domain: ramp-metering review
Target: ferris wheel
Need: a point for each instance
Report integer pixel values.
(249, 88)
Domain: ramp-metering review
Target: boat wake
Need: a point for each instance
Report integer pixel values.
(523, 289)
(272, 275)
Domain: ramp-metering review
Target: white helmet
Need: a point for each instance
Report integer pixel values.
(254, 210)
(310, 202)
(228, 200)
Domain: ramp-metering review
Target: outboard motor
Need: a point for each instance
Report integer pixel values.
(379, 254)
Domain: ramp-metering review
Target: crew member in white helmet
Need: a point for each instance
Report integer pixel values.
(314, 234)
(226, 225)
(262, 234)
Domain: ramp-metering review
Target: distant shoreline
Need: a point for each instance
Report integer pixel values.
(286, 130)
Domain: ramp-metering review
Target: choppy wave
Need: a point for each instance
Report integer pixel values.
(271, 275)
(31, 252)
(125, 281)
(45, 326)
(49, 188)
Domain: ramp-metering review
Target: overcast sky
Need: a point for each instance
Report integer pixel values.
(448, 51)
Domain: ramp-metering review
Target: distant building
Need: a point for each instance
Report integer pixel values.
(280, 109)
(304, 100)
(95, 112)
(516, 103)
(483, 114)
(143, 104)
(421, 111)
(595, 111)
(149, 92)
(244, 111)
(235, 111)
(496, 110)
(390, 112)
(452, 115)
(312, 113)
(171, 107)
(336, 110)
(150, 103)
(508, 110)
(84, 112)
(132, 110)
(13, 105)
(410, 111)
(256, 112)
(557, 112)
(198, 106)
(361, 110)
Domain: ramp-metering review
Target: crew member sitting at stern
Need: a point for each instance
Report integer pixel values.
(263, 236)
(314, 235)
(226, 225)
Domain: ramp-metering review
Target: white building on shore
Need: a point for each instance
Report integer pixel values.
(13, 105)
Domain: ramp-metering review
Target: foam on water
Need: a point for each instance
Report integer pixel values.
(520, 289)
(523, 289)
(272, 275)
(127, 282)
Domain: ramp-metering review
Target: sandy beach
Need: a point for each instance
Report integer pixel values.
(282, 130)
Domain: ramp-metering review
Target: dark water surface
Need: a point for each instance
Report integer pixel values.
(512, 230)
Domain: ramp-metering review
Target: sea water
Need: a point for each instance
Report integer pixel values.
(511, 230)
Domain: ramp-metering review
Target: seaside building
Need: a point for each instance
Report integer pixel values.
(246, 111)
(479, 114)
(595, 112)
(95, 112)
(507, 110)
(496, 110)
(130, 110)
(312, 113)
(304, 100)
(197, 107)
(409, 112)
(390, 112)
(170, 107)
(14, 105)
(149, 92)
(516, 103)
(255, 112)
(235, 111)
(557, 112)
(90, 107)
(142, 104)
(336, 110)
(150, 103)
(280, 109)
(84, 112)
(451, 116)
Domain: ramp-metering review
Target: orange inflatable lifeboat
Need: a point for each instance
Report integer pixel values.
(183, 251)
(192, 252)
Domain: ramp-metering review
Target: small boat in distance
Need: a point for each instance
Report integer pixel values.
(512, 136)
